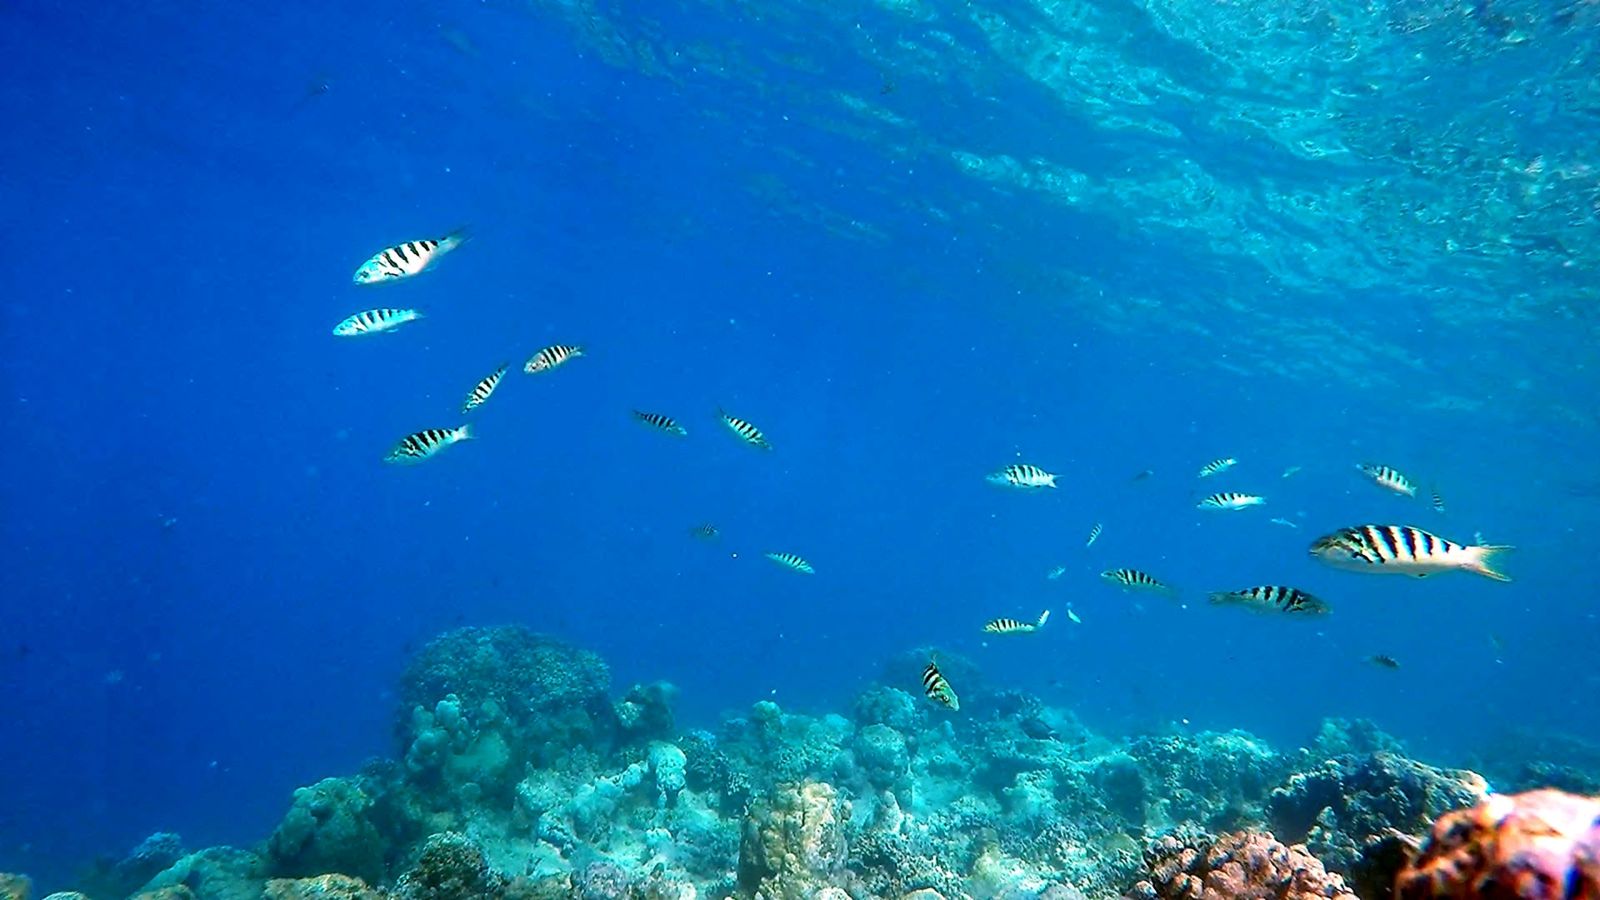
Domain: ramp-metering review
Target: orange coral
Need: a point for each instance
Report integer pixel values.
(1533, 846)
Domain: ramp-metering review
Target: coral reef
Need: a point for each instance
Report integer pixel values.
(1246, 865)
(793, 842)
(1541, 844)
(328, 829)
(322, 887)
(15, 887)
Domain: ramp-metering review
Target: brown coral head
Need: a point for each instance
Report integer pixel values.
(1541, 845)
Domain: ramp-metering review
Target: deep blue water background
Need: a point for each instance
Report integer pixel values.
(211, 582)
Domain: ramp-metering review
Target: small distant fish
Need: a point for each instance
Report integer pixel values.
(552, 356)
(1384, 661)
(790, 561)
(407, 259)
(1217, 466)
(1022, 475)
(1289, 472)
(1272, 597)
(1403, 550)
(1388, 479)
(705, 531)
(1281, 521)
(1055, 573)
(1230, 500)
(660, 422)
(1094, 535)
(1437, 499)
(375, 321)
(1143, 475)
(746, 431)
(481, 391)
(939, 690)
(427, 443)
(1133, 579)
(1013, 626)
(1073, 617)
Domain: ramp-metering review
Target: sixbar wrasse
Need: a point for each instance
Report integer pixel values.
(1133, 579)
(790, 561)
(1438, 501)
(937, 689)
(660, 422)
(1272, 598)
(1384, 661)
(1094, 535)
(551, 356)
(1403, 550)
(1230, 500)
(408, 259)
(1023, 475)
(427, 443)
(705, 531)
(746, 431)
(1013, 626)
(481, 391)
(1217, 466)
(375, 321)
(1387, 478)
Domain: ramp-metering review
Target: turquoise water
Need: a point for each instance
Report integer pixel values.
(913, 242)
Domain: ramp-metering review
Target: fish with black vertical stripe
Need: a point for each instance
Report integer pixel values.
(1022, 475)
(1437, 499)
(551, 357)
(1230, 500)
(1271, 598)
(375, 321)
(426, 444)
(1135, 580)
(1404, 550)
(791, 561)
(407, 259)
(938, 689)
(481, 391)
(746, 431)
(659, 422)
(1388, 478)
(1005, 625)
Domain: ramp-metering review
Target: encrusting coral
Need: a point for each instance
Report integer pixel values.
(1245, 865)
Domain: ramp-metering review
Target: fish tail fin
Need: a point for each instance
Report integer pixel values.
(1218, 597)
(455, 238)
(466, 432)
(1479, 561)
(1043, 618)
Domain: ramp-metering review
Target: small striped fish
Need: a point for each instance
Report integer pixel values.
(1094, 535)
(660, 422)
(482, 390)
(790, 561)
(1272, 598)
(1384, 660)
(939, 690)
(1022, 475)
(1013, 626)
(746, 431)
(705, 531)
(408, 259)
(1403, 550)
(1133, 579)
(1438, 501)
(375, 321)
(1387, 478)
(1056, 572)
(1230, 500)
(551, 356)
(427, 443)
(1217, 466)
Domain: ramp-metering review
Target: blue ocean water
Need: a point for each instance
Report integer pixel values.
(212, 581)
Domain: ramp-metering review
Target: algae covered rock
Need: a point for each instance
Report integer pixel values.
(15, 887)
(216, 873)
(793, 842)
(322, 887)
(450, 866)
(328, 829)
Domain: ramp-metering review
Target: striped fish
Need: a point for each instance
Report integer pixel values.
(1384, 660)
(790, 561)
(1217, 466)
(1272, 598)
(1230, 500)
(1022, 475)
(1013, 626)
(1387, 478)
(1133, 579)
(705, 531)
(746, 431)
(1403, 550)
(375, 321)
(552, 356)
(939, 690)
(660, 422)
(427, 443)
(482, 390)
(408, 259)
(1094, 535)
(1438, 501)
(1056, 572)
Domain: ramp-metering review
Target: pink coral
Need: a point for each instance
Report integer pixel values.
(1247, 865)
(1542, 844)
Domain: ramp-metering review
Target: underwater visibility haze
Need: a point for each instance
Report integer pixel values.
(565, 438)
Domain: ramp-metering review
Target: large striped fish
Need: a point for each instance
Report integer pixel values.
(1022, 475)
(407, 259)
(1005, 625)
(426, 444)
(938, 689)
(1403, 550)
(1271, 598)
(1230, 500)
(551, 356)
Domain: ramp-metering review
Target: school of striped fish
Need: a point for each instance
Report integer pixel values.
(1374, 548)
